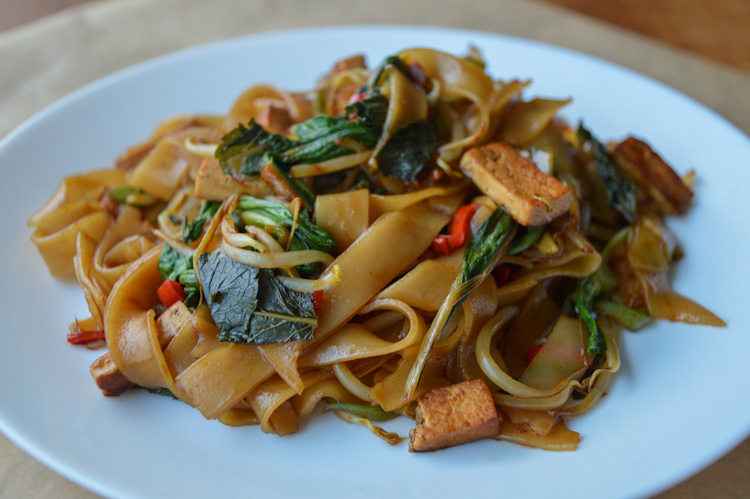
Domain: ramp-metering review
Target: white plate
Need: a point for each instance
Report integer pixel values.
(680, 401)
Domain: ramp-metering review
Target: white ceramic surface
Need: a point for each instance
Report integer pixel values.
(680, 401)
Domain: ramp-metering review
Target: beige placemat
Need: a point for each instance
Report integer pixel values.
(43, 61)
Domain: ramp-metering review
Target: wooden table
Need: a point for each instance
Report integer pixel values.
(716, 29)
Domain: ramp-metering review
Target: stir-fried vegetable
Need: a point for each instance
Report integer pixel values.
(193, 230)
(251, 306)
(307, 235)
(179, 269)
(480, 258)
(621, 191)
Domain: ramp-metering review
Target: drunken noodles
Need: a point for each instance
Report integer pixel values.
(416, 240)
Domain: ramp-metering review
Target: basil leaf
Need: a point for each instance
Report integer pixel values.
(370, 111)
(251, 306)
(241, 150)
(230, 289)
(408, 150)
(319, 139)
(281, 313)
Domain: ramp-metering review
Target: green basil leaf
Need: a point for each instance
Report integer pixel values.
(408, 150)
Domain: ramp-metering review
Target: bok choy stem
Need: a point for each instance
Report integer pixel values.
(480, 257)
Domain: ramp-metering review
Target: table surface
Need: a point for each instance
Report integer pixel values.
(717, 30)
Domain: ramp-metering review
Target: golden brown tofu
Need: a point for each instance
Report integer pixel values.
(529, 195)
(108, 377)
(454, 415)
(353, 62)
(275, 119)
(172, 321)
(212, 183)
(653, 175)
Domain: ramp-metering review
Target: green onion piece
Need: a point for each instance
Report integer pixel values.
(632, 319)
(371, 412)
(523, 242)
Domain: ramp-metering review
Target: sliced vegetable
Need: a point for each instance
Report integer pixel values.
(588, 289)
(444, 244)
(632, 319)
(621, 191)
(480, 257)
(524, 241)
(127, 194)
(170, 292)
(533, 351)
(84, 337)
(371, 412)
(317, 298)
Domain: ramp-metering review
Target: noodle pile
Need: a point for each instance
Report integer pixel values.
(313, 247)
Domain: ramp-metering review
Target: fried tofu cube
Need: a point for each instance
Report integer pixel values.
(274, 118)
(653, 175)
(529, 195)
(353, 62)
(171, 322)
(108, 376)
(212, 183)
(454, 415)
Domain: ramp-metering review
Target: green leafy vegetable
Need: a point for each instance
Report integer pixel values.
(526, 240)
(245, 150)
(395, 62)
(408, 150)
(193, 230)
(370, 111)
(241, 151)
(176, 267)
(373, 413)
(631, 318)
(484, 247)
(281, 312)
(127, 194)
(480, 257)
(250, 306)
(164, 392)
(621, 191)
(307, 235)
(588, 289)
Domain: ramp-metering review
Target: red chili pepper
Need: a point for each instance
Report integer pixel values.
(532, 353)
(355, 98)
(83, 337)
(317, 299)
(500, 274)
(171, 292)
(458, 231)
